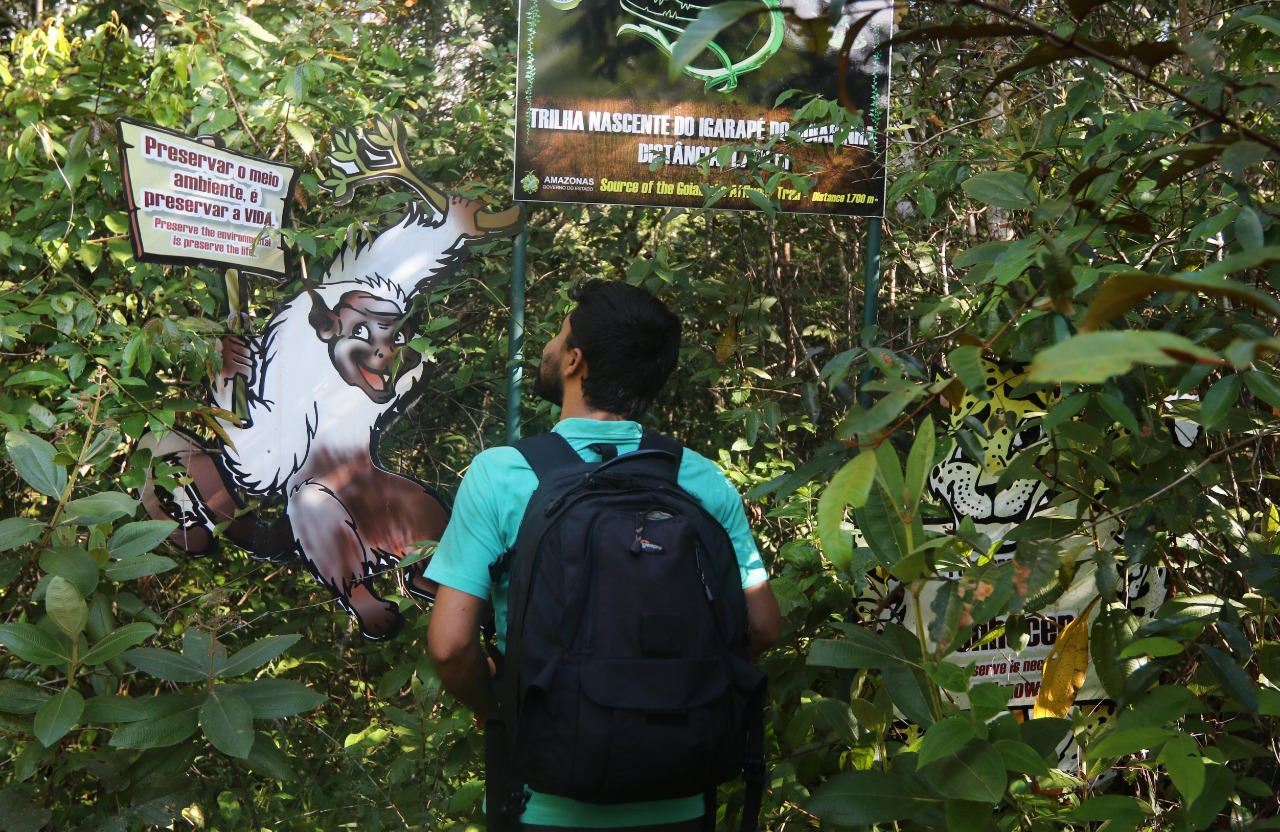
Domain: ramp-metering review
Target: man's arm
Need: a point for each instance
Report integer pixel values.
(453, 642)
(764, 619)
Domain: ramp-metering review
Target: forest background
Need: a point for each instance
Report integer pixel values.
(1086, 188)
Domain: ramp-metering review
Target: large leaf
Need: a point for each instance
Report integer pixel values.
(849, 487)
(1065, 669)
(19, 531)
(1001, 188)
(166, 664)
(139, 566)
(20, 697)
(267, 758)
(33, 457)
(860, 648)
(945, 738)
(115, 643)
(29, 643)
(974, 772)
(66, 607)
(865, 797)
(169, 721)
(279, 698)
(99, 508)
(1094, 357)
(227, 722)
(140, 537)
(1121, 291)
(58, 716)
(257, 654)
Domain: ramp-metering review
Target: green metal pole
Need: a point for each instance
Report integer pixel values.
(515, 340)
(871, 302)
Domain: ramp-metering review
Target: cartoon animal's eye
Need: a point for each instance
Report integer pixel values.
(399, 338)
(360, 331)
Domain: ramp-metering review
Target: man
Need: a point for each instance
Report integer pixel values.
(610, 360)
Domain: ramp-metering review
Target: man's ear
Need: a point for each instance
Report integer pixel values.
(322, 319)
(574, 364)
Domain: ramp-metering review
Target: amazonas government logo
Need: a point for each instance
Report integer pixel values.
(530, 183)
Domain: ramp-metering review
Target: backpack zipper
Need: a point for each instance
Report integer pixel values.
(697, 564)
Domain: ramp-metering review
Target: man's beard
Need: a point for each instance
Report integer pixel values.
(548, 385)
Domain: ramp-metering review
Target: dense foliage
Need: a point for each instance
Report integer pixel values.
(1087, 189)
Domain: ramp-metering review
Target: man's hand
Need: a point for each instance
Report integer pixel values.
(453, 642)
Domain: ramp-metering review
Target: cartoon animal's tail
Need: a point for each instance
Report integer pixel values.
(207, 501)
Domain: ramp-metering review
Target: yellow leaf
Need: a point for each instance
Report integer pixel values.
(728, 343)
(1065, 668)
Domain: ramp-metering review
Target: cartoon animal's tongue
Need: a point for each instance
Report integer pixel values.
(375, 380)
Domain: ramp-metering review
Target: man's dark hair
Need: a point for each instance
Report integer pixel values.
(630, 340)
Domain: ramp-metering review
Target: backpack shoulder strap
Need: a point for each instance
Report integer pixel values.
(653, 441)
(546, 453)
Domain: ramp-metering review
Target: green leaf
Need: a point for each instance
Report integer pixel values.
(919, 463)
(139, 566)
(968, 816)
(227, 721)
(65, 606)
(19, 531)
(860, 649)
(1111, 632)
(279, 698)
(30, 643)
(303, 136)
(1249, 233)
(1126, 741)
(1094, 357)
(1220, 399)
(966, 362)
(33, 457)
(1181, 758)
(1121, 810)
(1235, 680)
(1264, 386)
(165, 664)
(112, 709)
(139, 537)
(116, 642)
(20, 697)
(702, 31)
(884, 411)
(73, 563)
(255, 30)
(945, 738)
(1001, 188)
(856, 798)
(266, 757)
(58, 716)
(849, 486)
(169, 720)
(1021, 758)
(98, 508)
(975, 772)
(257, 654)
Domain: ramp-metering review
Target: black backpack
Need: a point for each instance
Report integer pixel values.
(625, 675)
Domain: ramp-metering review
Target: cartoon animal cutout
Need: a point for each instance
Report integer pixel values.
(328, 373)
(970, 488)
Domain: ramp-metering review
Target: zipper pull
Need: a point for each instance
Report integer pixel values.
(697, 563)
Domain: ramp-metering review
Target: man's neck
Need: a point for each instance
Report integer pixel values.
(576, 407)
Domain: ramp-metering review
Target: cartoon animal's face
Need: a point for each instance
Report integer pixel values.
(970, 488)
(366, 335)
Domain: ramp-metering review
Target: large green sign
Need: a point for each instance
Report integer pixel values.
(601, 118)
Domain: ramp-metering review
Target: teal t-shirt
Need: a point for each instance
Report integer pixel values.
(486, 517)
